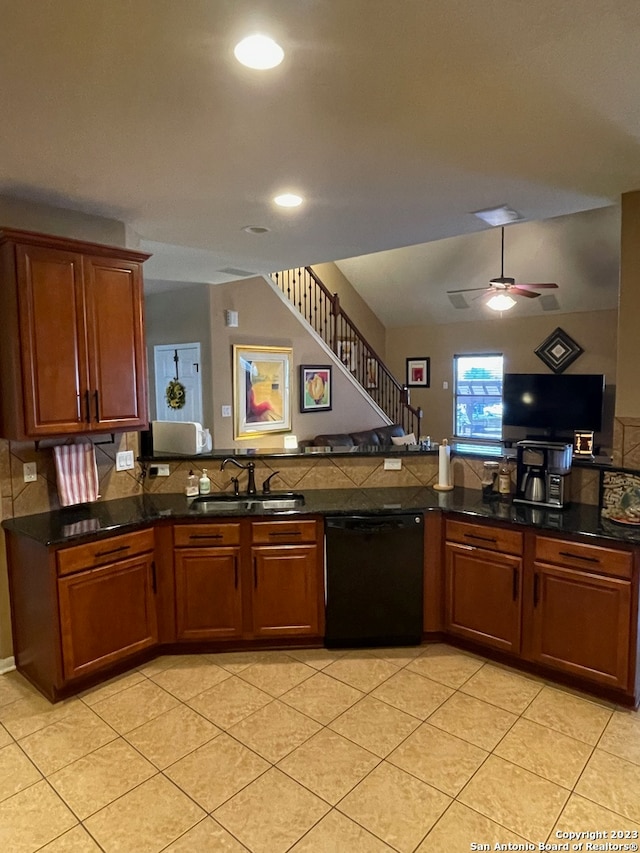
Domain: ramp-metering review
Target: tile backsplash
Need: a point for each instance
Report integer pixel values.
(312, 472)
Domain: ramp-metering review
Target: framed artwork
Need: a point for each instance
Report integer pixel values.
(620, 496)
(558, 351)
(315, 388)
(261, 390)
(418, 372)
(348, 353)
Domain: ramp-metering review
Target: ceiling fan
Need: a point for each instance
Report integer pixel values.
(505, 286)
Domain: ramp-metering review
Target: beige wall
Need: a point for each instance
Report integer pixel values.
(355, 306)
(515, 337)
(266, 319)
(181, 316)
(628, 395)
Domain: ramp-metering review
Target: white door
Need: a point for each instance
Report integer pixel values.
(179, 362)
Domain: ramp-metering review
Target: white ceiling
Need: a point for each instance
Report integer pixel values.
(395, 120)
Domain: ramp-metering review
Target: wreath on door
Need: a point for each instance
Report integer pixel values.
(176, 394)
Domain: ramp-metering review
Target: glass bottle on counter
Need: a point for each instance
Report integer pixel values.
(489, 477)
(504, 479)
(191, 489)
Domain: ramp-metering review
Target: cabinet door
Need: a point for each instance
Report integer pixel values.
(106, 615)
(208, 594)
(581, 623)
(118, 387)
(285, 591)
(482, 590)
(54, 362)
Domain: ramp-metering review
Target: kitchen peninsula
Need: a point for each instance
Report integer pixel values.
(98, 588)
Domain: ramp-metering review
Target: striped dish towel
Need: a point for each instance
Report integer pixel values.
(77, 473)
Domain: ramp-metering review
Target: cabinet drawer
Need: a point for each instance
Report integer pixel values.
(206, 535)
(483, 536)
(283, 532)
(104, 551)
(578, 555)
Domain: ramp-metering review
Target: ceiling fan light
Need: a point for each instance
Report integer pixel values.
(501, 302)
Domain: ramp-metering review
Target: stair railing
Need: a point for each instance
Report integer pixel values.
(322, 310)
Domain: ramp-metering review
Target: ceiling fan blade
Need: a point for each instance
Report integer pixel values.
(540, 285)
(519, 292)
(467, 290)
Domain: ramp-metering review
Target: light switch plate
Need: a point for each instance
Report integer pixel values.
(30, 472)
(226, 411)
(393, 464)
(163, 471)
(124, 460)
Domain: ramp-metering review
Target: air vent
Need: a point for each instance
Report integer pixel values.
(458, 300)
(236, 272)
(549, 302)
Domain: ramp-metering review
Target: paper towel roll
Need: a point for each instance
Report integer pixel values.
(444, 474)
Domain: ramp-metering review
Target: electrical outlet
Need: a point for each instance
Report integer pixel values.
(393, 464)
(30, 472)
(163, 471)
(226, 411)
(124, 460)
(445, 385)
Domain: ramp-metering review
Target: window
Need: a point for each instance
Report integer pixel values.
(478, 395)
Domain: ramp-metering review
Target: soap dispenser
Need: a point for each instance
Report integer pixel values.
(191, 489)
(204, 483)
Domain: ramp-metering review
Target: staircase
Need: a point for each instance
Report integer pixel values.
(321, 309)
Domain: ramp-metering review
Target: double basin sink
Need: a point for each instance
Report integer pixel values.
(206, 504)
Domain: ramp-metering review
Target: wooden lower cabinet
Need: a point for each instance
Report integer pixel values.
(285, 591)
(483, 596)
(208, 594)
(581, 621)
(247, 579)
(106, 615)
(567, 606)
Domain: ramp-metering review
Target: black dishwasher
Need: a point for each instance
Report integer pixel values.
(374, 568)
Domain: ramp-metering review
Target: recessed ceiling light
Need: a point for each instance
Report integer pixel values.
(502, 215)
(259, 52)
(255, 229)
(288, 200)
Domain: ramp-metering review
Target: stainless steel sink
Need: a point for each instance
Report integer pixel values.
(211, 504)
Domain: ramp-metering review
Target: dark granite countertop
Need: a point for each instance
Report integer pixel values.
(72, 525)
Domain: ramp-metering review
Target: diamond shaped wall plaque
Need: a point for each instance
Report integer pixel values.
(558, 351)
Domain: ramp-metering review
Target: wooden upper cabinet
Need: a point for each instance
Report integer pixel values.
(72, 352)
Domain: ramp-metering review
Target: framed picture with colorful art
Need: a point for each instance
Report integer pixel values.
(315, 388)
(261, 390)
(418, 372)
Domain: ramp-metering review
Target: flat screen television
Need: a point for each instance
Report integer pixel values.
(552, 402)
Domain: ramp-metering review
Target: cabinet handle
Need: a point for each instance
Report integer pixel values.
(97, 402)
(78, 407)
(482, 538)
(536, 590)
(516, 583)
(255, 573)
(112, 551)
(87, 401)
(285, 533)
(154, 581)
(205, 536)
(579, 557)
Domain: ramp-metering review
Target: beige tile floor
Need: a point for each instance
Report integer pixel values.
(424, 750)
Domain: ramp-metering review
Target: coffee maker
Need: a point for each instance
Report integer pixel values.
(543, 473)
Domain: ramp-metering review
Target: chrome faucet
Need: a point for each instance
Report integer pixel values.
(250, 468)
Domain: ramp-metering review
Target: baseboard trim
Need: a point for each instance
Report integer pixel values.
(7, 665)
